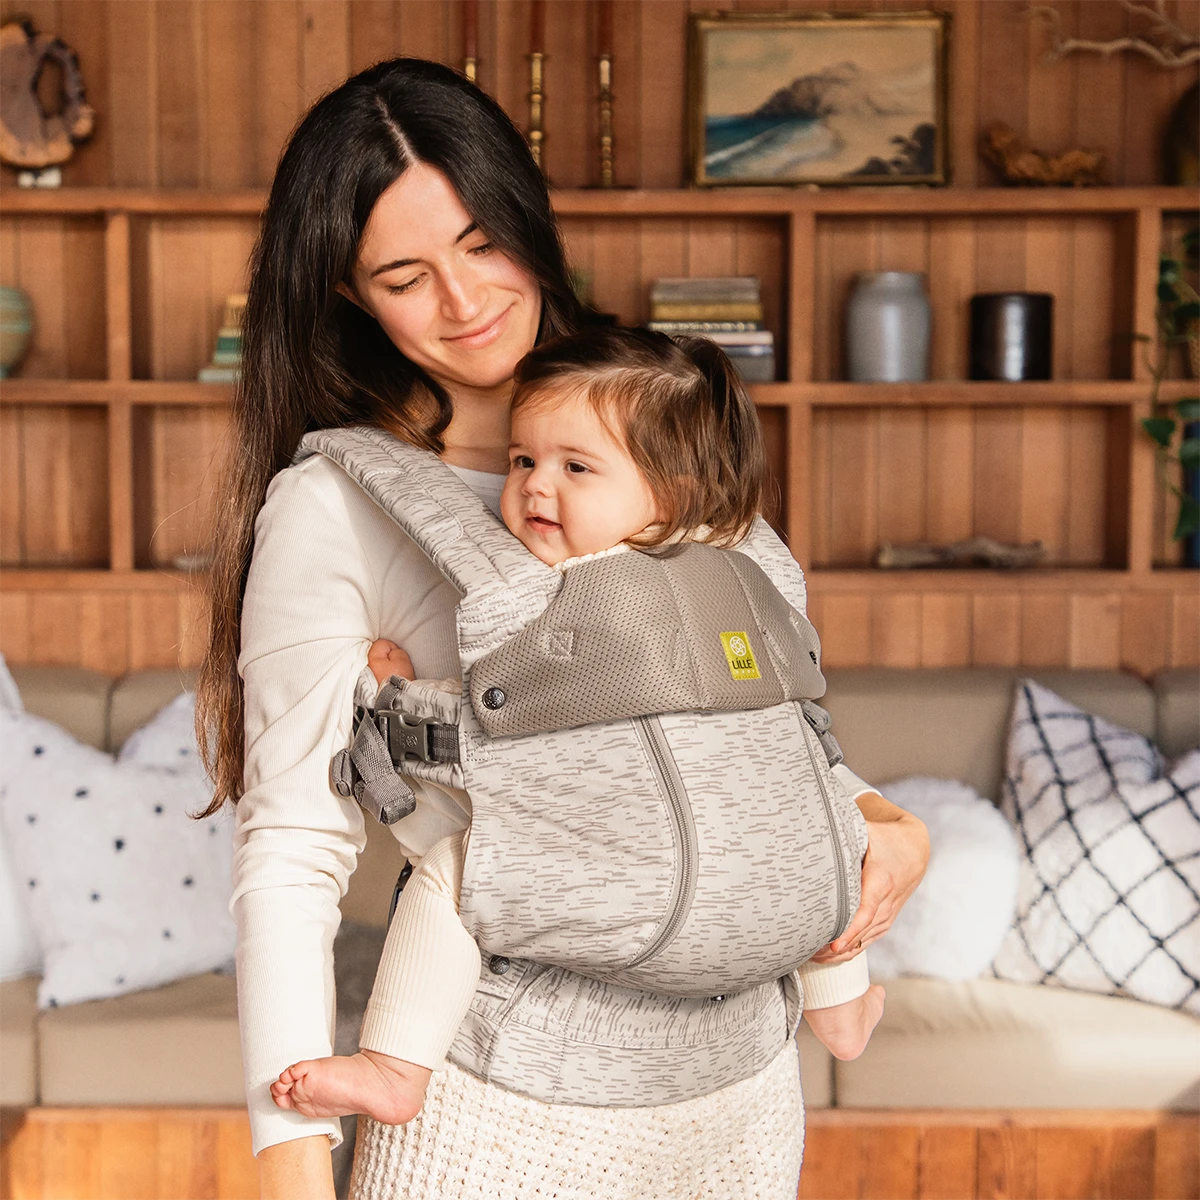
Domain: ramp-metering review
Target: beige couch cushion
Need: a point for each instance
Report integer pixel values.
(1178, 694)
(953, 723)
(18, 1042)
(69, 696)
(992, 1044)
(138, 697)
(171, 1045)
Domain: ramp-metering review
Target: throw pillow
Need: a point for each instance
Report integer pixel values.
(168, 741)
(125, 889)
(19, 951)
(954, 923)
(1109, 898)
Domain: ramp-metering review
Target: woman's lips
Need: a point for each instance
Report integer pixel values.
(481, 337)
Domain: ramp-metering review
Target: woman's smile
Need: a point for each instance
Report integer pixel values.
(482, 335)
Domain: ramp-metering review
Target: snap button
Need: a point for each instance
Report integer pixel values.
(499, 964)
(494, 697)
(717, 999)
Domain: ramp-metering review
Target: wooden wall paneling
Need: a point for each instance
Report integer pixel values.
(995, 630)
(800, 333)
(998, 473)
(12, 493)
(54, 631)
(964, 88)
(568, 153)
(1003, 72)
(121, 515)
(1094, 320)
(1117, 507)
(193, 623)
(154, 630)
(424, 28)
(951, 284)
(1100, 83)
(133, 60)
(627, 81)
(946, 1164)
(1145, 632)
(1185, 629)
(618, 283)
(1045, 629)
(902, 474)
(896, 622)
(1007, 1162)
(775, 426)
(1147, 234)
(276, 100)
(41, 273)
(1096, 631)
(84, 322)
(102, 619)
(1050, 267)
(374, 35)
(182, 132)
(64, 485)
(819, 482)
(1088, 499)
(325, 45)
(845, 629)
(1044, 497)
(831, 1163)
(230, 150)
(760, 247)
(945, 630)
(82, 23)
(15, 641)
(795, 484)
(888, 1160)
(854, 486)
(1050, 123)
(184, 313)
(117, 311)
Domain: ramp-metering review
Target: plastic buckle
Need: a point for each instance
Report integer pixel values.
(406, 738)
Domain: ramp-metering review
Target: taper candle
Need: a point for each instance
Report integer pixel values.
(470, 28)
(537, 27)
(604, 27)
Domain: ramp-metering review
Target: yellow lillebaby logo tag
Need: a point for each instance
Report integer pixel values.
(740, 656)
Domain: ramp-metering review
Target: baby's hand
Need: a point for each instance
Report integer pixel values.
(845, 1029)
(387, 659)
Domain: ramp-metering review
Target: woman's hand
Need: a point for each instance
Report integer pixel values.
(897, 854)
(297, 1170)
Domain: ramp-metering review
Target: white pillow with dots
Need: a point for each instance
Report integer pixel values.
(125, 889)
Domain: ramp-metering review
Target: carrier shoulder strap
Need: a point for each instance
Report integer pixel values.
(451, 525)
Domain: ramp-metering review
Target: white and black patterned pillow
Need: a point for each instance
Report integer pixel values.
(1109, 897)
(125, 889)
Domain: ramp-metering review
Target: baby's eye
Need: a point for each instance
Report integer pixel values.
(523, 461)
(576, 468)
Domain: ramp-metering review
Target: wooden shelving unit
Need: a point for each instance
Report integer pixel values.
(840, 452)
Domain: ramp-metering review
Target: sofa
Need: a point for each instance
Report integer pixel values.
(970, 1045)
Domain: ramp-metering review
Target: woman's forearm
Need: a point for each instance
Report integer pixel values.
(298, 1170)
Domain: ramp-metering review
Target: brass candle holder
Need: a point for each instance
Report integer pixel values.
(537, 136)
(605, 100)
(470, 66)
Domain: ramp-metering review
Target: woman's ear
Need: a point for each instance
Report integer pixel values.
(345, 289)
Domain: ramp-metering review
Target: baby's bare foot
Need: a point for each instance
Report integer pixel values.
(387, 659)
(388, 1089)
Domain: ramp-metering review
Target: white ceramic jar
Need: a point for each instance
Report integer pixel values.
(887, 328)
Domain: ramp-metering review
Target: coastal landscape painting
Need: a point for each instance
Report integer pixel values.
(818, 99)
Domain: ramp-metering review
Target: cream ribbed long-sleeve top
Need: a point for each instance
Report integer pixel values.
(330, 574)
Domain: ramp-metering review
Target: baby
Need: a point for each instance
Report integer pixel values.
(621, 440)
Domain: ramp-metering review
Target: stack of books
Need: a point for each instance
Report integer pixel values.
(727, 309)
(226, 365)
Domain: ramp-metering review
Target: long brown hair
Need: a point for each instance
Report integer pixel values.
(313, 360)
(681, 410)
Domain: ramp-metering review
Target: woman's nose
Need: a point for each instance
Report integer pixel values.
(464, 294)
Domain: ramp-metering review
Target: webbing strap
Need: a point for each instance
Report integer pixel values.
(451, 525)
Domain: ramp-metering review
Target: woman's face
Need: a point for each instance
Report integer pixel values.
(449, 301)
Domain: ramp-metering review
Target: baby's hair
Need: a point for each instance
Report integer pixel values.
(680, 409)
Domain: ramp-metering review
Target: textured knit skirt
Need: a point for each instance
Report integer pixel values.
(476, 1141)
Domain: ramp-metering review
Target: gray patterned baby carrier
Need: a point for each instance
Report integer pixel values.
(652, 799)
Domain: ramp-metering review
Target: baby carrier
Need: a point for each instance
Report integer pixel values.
(652, 799)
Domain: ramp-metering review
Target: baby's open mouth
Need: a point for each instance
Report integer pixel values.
(542, 523)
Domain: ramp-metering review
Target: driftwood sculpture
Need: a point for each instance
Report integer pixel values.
(974, 552)
(29, 137)
(1019, 163)
(1162, 40)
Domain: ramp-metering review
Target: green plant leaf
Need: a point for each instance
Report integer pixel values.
(1188, 312)
(1189, 409)
(1189, 518)
(1161, 429)
(1169, 270)
(1189, 453)
(1166, 292)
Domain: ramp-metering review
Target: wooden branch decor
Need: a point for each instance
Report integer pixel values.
(1166, 42)
(974, 552)
(1020, 163)
(30, 137)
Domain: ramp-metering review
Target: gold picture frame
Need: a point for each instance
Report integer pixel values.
(818, 99)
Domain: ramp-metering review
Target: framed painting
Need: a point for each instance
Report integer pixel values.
(818, 99)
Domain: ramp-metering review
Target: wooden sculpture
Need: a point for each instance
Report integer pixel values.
(976, 551)
(30, 137)
(1020, 163)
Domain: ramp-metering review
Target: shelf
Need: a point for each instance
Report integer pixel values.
(68, 579)
(826, 580)
(108, 391)
(599, 202)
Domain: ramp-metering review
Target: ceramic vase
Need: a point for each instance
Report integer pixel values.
(887, 328)
(16, 327)
(1012, 336)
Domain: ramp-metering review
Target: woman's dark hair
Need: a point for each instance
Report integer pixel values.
(681, 410)
(313, 360)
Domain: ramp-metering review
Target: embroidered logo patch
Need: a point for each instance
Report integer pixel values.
(740, 656)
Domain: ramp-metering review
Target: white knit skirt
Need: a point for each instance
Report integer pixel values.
(476, 1141)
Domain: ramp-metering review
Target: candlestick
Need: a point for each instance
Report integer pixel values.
(537, 27)
(537, 136)
(606, 127)
(604, 28)
(470, 38)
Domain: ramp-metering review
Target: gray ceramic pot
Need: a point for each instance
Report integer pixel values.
(887, 328)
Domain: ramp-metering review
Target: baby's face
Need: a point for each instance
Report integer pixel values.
(572, 488)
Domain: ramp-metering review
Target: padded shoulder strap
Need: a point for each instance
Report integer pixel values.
(762, 544)
(453, 527)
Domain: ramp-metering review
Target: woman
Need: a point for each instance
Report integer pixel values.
(408, 260)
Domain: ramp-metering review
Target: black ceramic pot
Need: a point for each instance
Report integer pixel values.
(1012, 336)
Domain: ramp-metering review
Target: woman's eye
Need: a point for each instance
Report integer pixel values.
(399, 288)
(481, 249)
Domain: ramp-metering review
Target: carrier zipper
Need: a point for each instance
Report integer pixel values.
(684, 886)
(842, 904)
